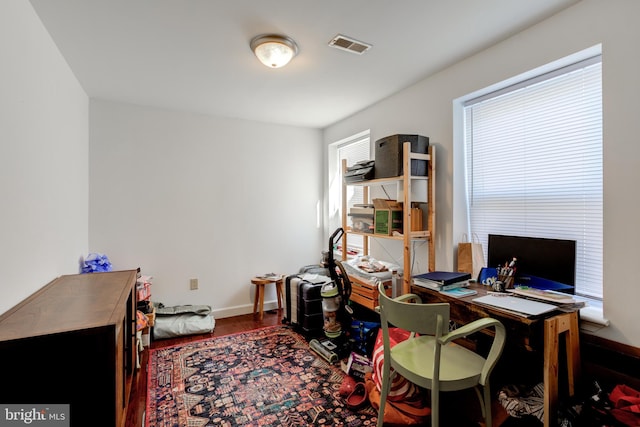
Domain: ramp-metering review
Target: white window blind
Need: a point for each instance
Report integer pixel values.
(533, 157)
(354, 152)
(353, 149)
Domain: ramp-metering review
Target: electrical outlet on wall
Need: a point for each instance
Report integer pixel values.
(193, 284)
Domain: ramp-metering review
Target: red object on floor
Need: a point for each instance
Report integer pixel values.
(347, 386)
(626, 402)
(358, 397)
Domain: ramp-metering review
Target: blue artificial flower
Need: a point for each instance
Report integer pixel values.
(95, 262)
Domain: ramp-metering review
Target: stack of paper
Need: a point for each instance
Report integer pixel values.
(270, 276)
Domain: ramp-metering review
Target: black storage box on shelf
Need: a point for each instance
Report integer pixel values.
(388, 155)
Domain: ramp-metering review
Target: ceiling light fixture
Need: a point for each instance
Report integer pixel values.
(273, 50)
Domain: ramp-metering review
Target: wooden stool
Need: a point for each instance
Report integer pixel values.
(259, 296)
(563, 324)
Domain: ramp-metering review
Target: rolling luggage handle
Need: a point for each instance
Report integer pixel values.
(338, 273)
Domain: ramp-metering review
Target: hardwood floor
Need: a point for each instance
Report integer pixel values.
(229, 325)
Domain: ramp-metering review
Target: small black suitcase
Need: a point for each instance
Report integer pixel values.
(303, 305)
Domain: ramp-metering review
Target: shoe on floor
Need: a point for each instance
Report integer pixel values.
(358, 397)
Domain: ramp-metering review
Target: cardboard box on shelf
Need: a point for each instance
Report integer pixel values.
(388, 216)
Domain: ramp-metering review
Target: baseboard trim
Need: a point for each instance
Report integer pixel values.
(239, 310)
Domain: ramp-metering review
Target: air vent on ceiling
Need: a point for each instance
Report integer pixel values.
(349, 44)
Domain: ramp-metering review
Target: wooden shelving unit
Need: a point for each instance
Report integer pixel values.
(406, 180)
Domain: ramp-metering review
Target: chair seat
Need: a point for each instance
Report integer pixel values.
(460, 368)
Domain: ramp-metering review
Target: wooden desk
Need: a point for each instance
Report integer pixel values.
(528, 333)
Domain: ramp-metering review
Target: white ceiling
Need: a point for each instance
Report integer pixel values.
(194, 55)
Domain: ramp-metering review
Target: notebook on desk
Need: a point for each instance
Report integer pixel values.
(522, 306)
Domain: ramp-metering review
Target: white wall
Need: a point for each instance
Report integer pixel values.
(190, 196)
(426, 108)
(43, 158)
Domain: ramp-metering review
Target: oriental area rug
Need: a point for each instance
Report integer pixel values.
(266, 377)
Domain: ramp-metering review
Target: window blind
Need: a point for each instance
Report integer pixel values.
(353, 152)
(533, 167)
(353, 149)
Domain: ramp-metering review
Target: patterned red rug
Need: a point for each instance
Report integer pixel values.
(267, 377)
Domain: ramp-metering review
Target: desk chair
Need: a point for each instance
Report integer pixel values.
(431, 359)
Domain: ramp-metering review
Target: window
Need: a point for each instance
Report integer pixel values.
(354, 149)
(533, 163)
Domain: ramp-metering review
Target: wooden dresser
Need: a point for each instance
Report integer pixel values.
(73, 342)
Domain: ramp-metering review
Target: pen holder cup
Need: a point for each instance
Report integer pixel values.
(507, 280)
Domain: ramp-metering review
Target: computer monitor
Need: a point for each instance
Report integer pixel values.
(550, 259)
